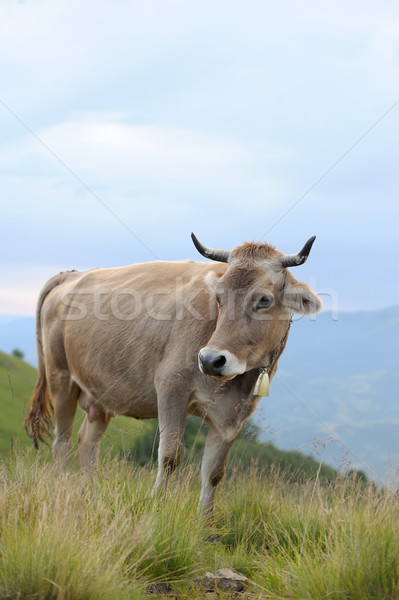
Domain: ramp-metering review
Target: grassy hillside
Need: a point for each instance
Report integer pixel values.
(63, 536)
(138, 440)
(17, 380)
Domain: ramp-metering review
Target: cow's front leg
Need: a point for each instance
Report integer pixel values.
(172, 419)
(212, 469)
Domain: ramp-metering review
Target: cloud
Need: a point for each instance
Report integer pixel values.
(101, 146)
(105, 152)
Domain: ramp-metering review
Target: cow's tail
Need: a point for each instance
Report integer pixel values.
(39, 418)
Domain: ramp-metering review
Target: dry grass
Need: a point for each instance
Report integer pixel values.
(65, 537)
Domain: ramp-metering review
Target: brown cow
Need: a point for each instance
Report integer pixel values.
(166, 340)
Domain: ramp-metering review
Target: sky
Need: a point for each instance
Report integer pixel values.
(124, 126)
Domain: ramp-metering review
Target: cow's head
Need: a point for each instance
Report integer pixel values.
(255, 296)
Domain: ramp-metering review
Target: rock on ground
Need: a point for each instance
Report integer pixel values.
(225, 580)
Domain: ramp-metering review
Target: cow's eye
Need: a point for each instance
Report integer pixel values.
(264, 302)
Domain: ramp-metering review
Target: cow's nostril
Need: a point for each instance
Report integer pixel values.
(220, 362)
(212, 362)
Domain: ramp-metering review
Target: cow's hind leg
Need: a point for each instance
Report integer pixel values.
(64, 395)
(89, 438)
(212, 469)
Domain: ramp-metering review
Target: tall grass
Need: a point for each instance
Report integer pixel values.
(66, 537)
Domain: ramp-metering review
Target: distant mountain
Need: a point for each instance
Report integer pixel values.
(337, 384)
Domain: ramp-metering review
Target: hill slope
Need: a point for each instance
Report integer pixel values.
(17, 380)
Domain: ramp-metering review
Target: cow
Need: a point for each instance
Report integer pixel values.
(165, 340)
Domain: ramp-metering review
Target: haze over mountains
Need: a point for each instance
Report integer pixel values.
(338, 380)
(337, 384)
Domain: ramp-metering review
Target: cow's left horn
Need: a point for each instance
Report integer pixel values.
(220, 255)
(293, 260)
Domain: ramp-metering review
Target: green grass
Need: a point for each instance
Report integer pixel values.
(17, 380)
(65, 536)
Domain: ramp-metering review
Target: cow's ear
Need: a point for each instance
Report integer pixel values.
(212, 279)
(300, 299)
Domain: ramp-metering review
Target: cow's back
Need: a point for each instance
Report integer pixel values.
(112, 328)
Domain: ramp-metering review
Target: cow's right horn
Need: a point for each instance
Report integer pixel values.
(220, 255)
(293, 260)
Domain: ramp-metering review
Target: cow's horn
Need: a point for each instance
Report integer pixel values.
(293, 260)
(220, 255)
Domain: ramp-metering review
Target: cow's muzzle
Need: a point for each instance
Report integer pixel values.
(219, 364)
